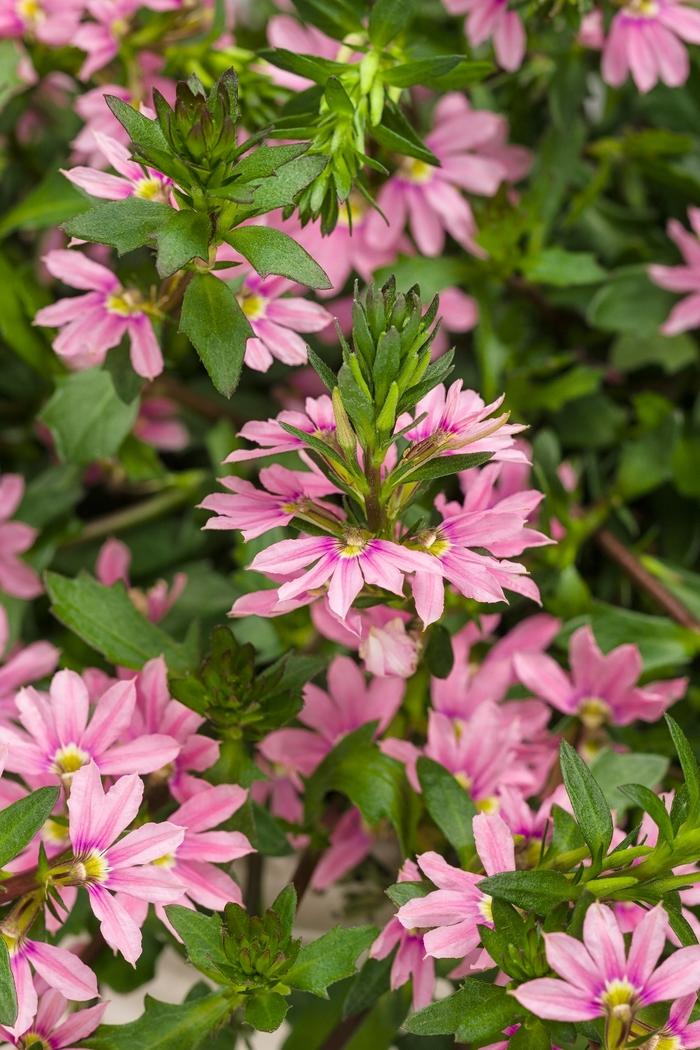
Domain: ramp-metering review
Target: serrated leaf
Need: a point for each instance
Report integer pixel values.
(329, 959)
(266, 1011)
(272, 251)
(106, 619)
(165, 1026)
(185, 236)
(125, 225)
(538, 890)
(264, 161)
(142, 130)
(213, 321)
(285, 187)
(475, 1012)
(202, 937)
(20, 821)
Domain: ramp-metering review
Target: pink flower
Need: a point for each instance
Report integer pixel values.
(456, 421)
(16, 578)
(600, 979)
(411, 963)
(95, 322)
(318, 419)
(195, 859)
(60, 968)
(601, 688)
(158, 425)
(277, 321)
(157, 712)
(473, 154)
(60, 737)
(285, 495)
(350, 844)
(346, 565)
(105, 866)
(471, 573)
(53, 1026)
(645, 41)
(458, 907)
(113, 562)
(133, 179)
(22, 665)
(470, 684)
(51, 22)
(388, 649)
(679, 1034)
(491, 19)
(101, 39)
(686, 314)
(481, 753)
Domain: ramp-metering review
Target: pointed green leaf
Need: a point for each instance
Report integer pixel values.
(271, 251)
(217, 328)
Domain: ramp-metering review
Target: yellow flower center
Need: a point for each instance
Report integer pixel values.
(486, 907)
(358, 211)
(90, 868)
(643, 8)
(593, 712)
(355, 543)
(463, 780)
(126, 303)
(416, 170)
(53, 831)
(30, 11)
(69, 759)
(149, 188)
(489, 804)
(33, 1041)
(619, 993)
(166, 861)
(253, 306)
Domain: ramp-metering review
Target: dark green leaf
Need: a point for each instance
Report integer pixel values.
(337, 18)
(20, 821)
(587, 800)
(388, 18)
(185, 236)
(142, 130)
(561, 268)
(86, 416)
(266, 1011)
(217, 328)
(51, 202)
(264, 161)
(689, 765)
(202, 937)
(285, 187)
(107, 619)
(539, 891)
(124, 225)
(653, 805)
(443, 466)
(272, 251)
(447, 802)
(438, 654)
(475, 1012)
(329, 959)
(8, 996)
(422, 71)
(370, 982)
(165, 1026)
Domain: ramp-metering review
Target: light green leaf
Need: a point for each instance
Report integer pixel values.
(562, 268)
(612, 769)
(217, 328)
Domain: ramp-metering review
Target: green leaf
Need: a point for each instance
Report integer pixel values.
(325, 374)
(142, 130)
(266, 1011)
(337, 18)
(285, 907)
(388, 18)
(612, 769)
(329, 959)
(8, 996)
(689, 765)
(587, 800)
(165, 1026)
(124, 225)
(475, 1012)
(202, 937)
(217, 328)
(337, 98)
(438, 654)
(441, 466)
(20, 821)
(107, 619)
(537, 890)
(644, 797)
(672, 353)
(271, 251)
(86, 416)
(310, 67)
(264, 161)
(629, 302)
(185, 236)
(51, 202)
(12, 58)
(371, 780)
(562, 268)
(421, 71)
(282, 190)
(447, 802)
(397, 135)
(370, 982)
(401, 892)
(662, 643)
